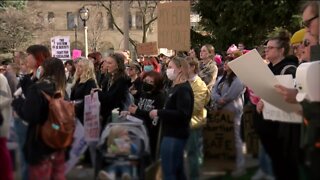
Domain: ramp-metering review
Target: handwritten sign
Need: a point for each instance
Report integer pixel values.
(218, 138)
(174, 25)
(91, 117)
(60, 47)
(78, 147)
(251, 137)
(149, 48)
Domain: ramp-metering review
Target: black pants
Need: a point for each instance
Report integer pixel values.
(281, 142)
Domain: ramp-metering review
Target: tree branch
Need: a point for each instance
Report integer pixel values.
(109, 9)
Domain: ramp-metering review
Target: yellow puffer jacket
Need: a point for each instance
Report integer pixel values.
(201, 98)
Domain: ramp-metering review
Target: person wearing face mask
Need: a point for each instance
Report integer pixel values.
(152, 97)
(151, 64)
(175, 117)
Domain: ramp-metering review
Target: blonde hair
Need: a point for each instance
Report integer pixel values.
(87, 72)
(181, 63)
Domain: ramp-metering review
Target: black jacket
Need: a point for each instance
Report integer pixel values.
(78, 92)
(287, 133)
(148, 102)
(177, 113)
(112, 96)
(34, 109)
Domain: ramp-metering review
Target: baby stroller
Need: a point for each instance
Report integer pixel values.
(123, 150)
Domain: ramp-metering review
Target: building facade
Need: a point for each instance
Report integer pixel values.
(61, 18)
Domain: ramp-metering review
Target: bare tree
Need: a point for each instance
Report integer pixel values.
(146, 8)
(96, 25)
(16, 31)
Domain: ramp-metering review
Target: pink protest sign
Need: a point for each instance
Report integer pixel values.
(76, 53)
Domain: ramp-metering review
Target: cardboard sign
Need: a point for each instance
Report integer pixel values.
(251, 137)
(149, 48)
(91, 117)
(60, 47)
(78, 147)
(174, 25)
(218, 140)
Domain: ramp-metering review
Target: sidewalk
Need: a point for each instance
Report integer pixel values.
(83, 173)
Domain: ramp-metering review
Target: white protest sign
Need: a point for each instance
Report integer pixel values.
(91, 117)
(254, 73)
(274, 113)
(60, 47)
(78, 147)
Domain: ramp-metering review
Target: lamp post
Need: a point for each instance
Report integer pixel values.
(84, 16)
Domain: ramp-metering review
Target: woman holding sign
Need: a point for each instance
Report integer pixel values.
(280, 139)
(227, 95)
(84, 81)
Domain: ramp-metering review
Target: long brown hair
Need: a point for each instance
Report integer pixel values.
(119, 58)
(53, 69)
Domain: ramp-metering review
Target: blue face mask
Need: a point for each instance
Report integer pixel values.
(148, 68)
(38, 73)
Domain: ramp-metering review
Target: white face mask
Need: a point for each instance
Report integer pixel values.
(171, 75)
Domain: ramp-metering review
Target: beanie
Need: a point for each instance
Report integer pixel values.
(297, 37)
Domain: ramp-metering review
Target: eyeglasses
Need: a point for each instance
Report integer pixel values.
(270, 47)
(306, 43)
(307, 23)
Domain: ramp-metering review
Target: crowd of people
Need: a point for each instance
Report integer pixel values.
(171, 95)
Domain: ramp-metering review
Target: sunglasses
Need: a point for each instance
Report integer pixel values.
(307, 23)
(306, 43)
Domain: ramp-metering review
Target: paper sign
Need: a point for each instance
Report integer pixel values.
(91, 117)
(60, 47)
(174, 25)
(252, 71)
(274, 113)
(149, 48)
(76, 53)
(78, 147)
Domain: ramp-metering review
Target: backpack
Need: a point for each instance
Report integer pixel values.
(57, 131)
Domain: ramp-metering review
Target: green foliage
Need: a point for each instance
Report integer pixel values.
(247, 21)
(17, 4)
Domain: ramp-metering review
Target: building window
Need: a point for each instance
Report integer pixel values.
(130, 21)
(139, 20)
(50, 17)
(110, 23)
(99, 20)
(70, 21)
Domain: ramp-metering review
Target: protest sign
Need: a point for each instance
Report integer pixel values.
(60, 47)
(271, 112)
(76, 53)
(174, 25)
(149, 48)
(218, 140)
(250, 136)
(91, 117)
(260, 79)
(78, 147)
